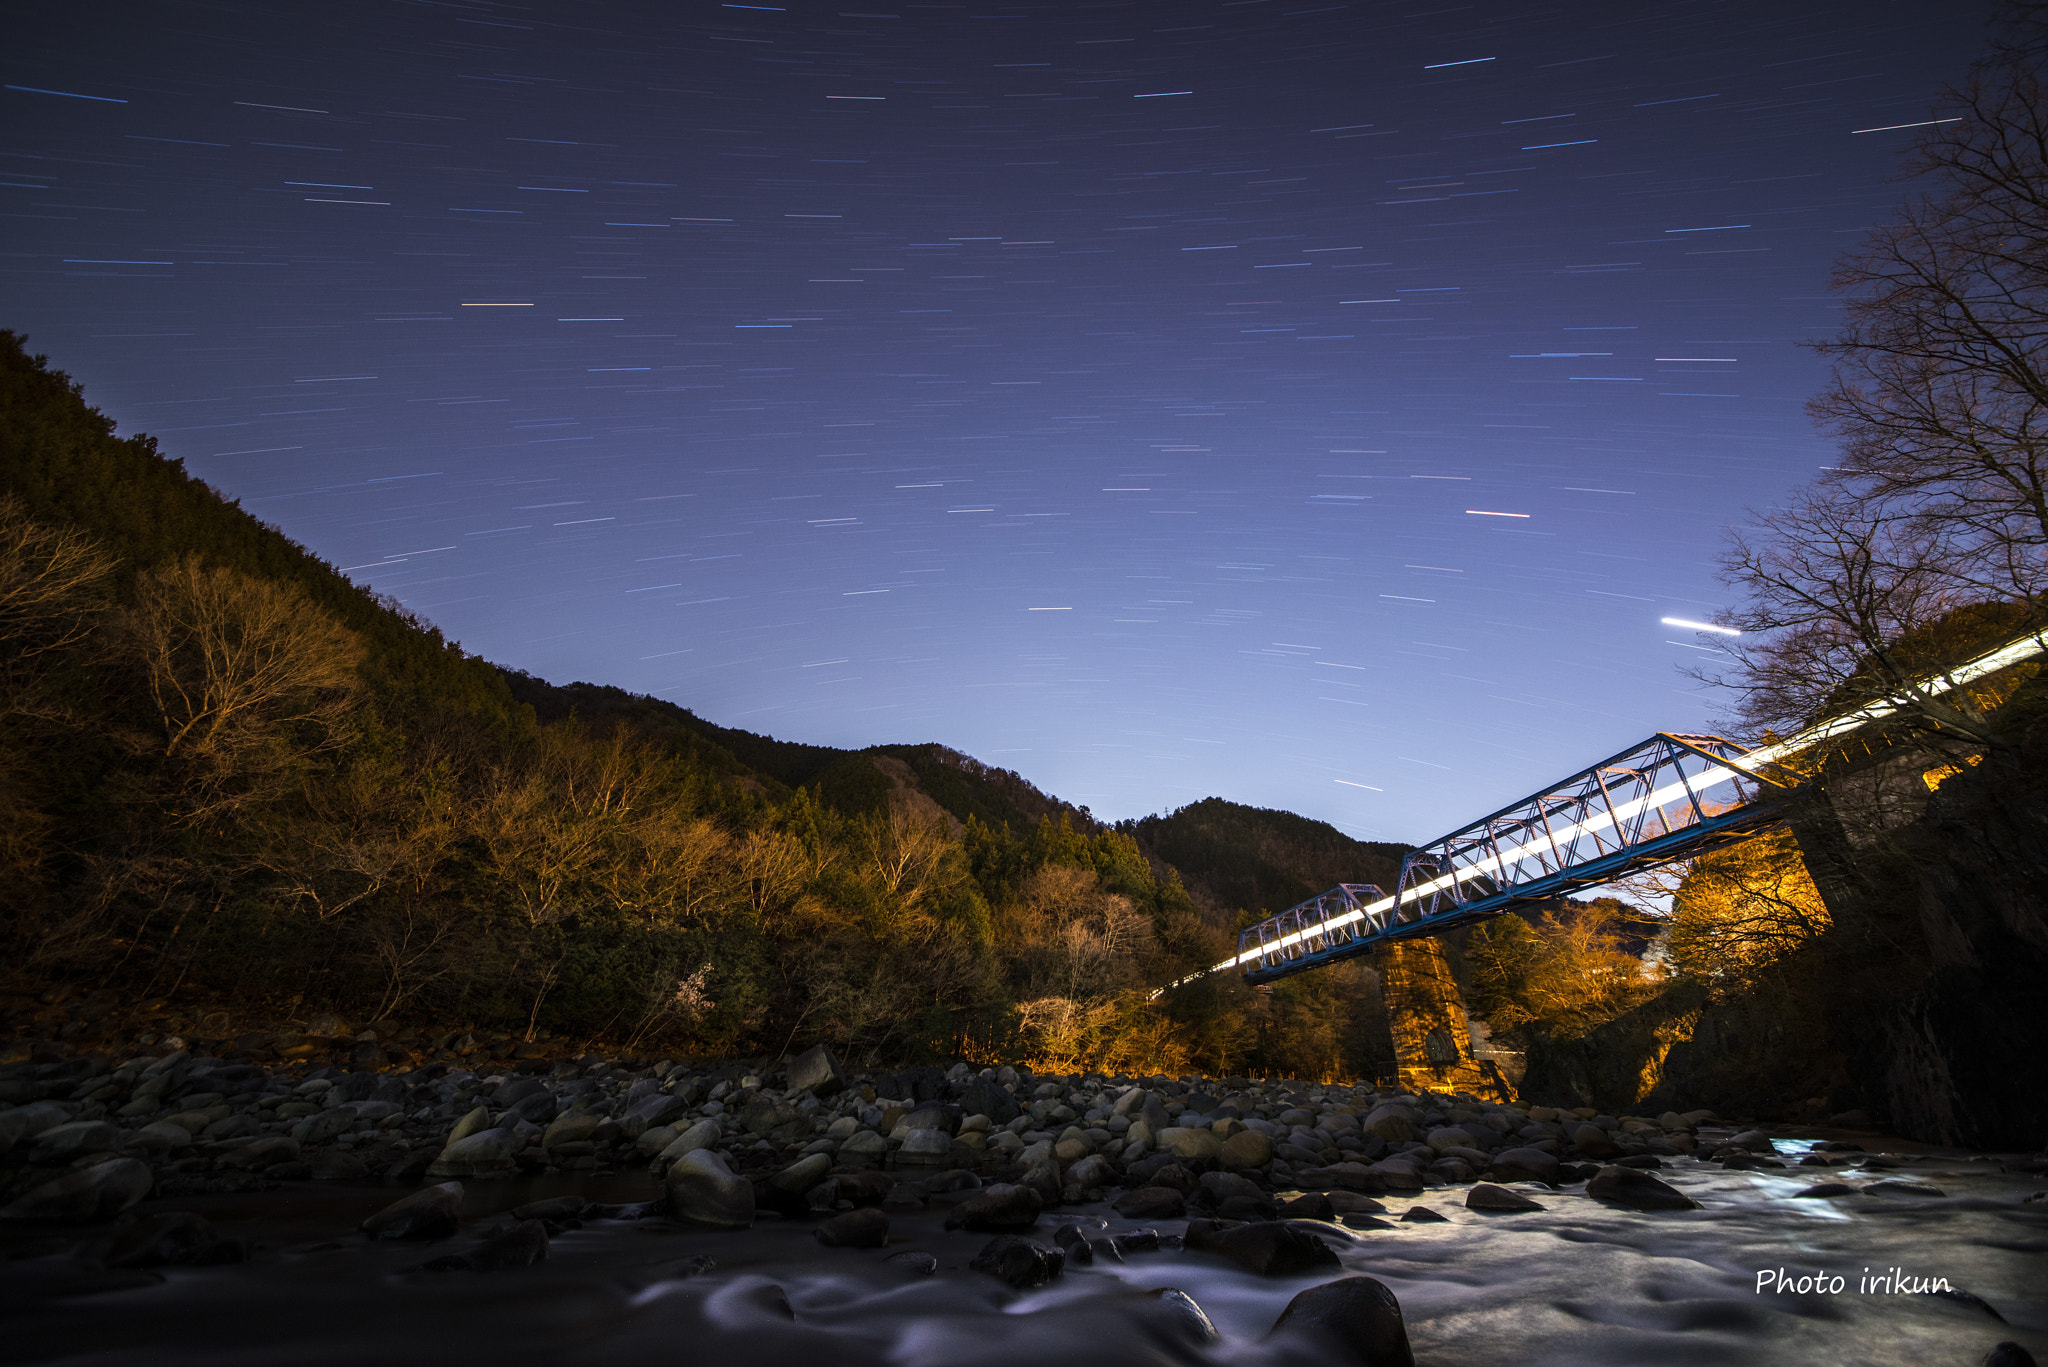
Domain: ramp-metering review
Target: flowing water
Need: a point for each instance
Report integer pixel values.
(1578, 1282)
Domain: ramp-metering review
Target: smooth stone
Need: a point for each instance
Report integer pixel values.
(1825, 1190)
(432, 1213)
(800, 1176)
(1893, 1186)
(1593, 1141)
(1356, 1319)
(1151, 1203)
(523, 1245)
(477, 1120)
(1187, 1316)
(99, 1192)
(701, 1135)
(1310, 1205)
(1000, 1207)
(863, 1144)
(555, 1208)
(62, 1143)
(1271, 1248)
(1246, 1149)
(570, 1129)
(1523, 1165)
(1090, 1173)
(1395, 1124)
(913, 1261)
(1183, 1142)
(1021, 1262)
(1499, 1200)
(1422, 1215)
(1637, 1189)
(929, 1146)
(488, 1153)
(864, 1228)
(701, 1188)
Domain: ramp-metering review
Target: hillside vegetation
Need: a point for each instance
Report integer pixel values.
(226, 770)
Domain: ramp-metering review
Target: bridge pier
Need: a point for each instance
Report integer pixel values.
(1426, 1014)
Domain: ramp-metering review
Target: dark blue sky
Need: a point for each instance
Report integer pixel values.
(1314, 405)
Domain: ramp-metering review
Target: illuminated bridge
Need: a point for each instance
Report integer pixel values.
(1671, 797)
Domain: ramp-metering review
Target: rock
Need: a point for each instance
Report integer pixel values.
(554, 1208)
(340, 1166)
(800, 1176)
(570, 1129)
(1270, 1248)
(477, 1120)
(1893, 1186)
(817, 1069)
(523, 1245)
(99, 1192)
(488, 1153)
(172, 1236)
(701, 1188)
(1523, 1165)
(1249, 1149)
(865, 1228)
(914, 1262)
(1825, 1190)
(1592, 1141)
(1186, 1316)
(1090, 1173)
(1348, 1176)
(1499, 1200)
(999, 1207)
(262, 1153)
(2008, 1354)
(536, 1109)
(765, 1115)
(161, 1135)
(1356, 1320)
(701, 1135)
(1395, 1124)
(650, 1111)
(1190, 1144)
(62, 1143)
(986, 1096)
(1310, 1205)
(924, 1147)
(1637, 1189)
(432, 1213)
(318, 1129)
(1021, 1262)
(1151, 1203)
(1422, 1215)
(865, 1146)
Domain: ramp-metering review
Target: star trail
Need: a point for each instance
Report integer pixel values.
(1334, 408)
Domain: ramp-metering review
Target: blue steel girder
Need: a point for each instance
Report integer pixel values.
(1648, 805)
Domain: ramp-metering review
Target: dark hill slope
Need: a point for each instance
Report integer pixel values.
(1237, 859)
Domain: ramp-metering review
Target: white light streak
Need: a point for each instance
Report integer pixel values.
(1698, 626)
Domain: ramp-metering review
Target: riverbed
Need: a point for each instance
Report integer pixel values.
(1577, 1282)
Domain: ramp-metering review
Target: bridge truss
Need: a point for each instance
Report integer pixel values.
(1670, 797)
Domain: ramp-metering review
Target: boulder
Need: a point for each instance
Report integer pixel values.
(1637, 1190)
(1190, 1144)
(431, 1213)
(1498, 1200)
(816, 1068)
(1271, 1248)
(1188, 1319)
(1021, 1262)
(570, 1129)
(767, 1115)
(523, 1245)
(702, 1189)
(800, 1176)
(1395, 1124)
(77, 1139)
(1151, 1203)
(1592, 1141)
(649, 1111)
(925, 1148)
(1090, 1173)
(701, 1135)
(1523, 1165)
(1310, 1205)
(99, 1192)
(1249, 1149)
(996, 1208)
(1354, 1320)
(488, 1153)
(863, 1228)
(476, 1121)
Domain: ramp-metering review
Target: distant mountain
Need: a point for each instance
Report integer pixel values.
(1236, 859)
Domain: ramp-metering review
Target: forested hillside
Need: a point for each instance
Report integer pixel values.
(226, 770)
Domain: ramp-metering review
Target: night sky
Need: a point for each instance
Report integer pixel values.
(1317, 406)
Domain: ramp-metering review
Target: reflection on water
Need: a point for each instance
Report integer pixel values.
(1576, 1283)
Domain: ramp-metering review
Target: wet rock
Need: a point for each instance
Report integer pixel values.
(864, 1188)
(864, 1228)
(927, 1147)
(1190, 1144)
(99, 1192)
(523, 1245)
(1422, 1215)
(701, 1135)
(1499, 1200)
(1637, 1189)
(537, 1109)
(1151, 1203)
(1270, 1248)
(1310, 1205)
(488, 1153)
(342, 1166)
(318, 1129)
(1355, 1320)
(1348, 1176)
(800, 1176)
(650, 1111)
(1825, 1190)
(906, 1196)
(1186, 1316)
(556, 1209)
(1021, 1262)
(1000, 1207)
(1592, 1141)
(1395, 1124)
(262, 1153)
(173, 1236)
(1249, 1149)
(432, 1213)
(701, 1188)
(914, 1262)
(2008, 1354)
(1894, 1186)
(765, 1114)
(570, 1129)
(817, 1069)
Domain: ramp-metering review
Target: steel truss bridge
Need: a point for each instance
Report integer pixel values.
(1668, 798)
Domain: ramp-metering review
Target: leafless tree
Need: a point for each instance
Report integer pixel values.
(50, 585)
